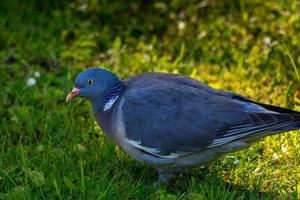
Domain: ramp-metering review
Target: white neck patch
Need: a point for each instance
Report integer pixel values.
(110, 103)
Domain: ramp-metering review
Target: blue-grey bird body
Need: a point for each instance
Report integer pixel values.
(172, 122)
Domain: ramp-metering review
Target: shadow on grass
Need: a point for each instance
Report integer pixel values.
(197, 183)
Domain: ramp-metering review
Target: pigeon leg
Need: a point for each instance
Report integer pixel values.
(164, 178)
(165, 175)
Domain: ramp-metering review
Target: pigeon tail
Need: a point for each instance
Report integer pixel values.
(291, 121)
(293, 126)
(286, 113)
(260, 124)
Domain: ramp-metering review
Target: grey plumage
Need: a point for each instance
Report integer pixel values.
(172, 122)
(180, 115)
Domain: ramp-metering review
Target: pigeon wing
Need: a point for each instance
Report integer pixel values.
(174, 117)
(170, 121)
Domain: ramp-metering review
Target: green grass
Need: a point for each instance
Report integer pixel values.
(53, 150)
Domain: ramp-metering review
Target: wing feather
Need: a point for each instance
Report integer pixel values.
(171, 116)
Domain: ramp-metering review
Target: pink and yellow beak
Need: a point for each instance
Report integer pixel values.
(72, 94)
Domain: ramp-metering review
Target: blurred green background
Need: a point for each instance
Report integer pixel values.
(50, 150)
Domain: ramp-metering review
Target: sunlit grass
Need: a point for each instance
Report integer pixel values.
(53, 150)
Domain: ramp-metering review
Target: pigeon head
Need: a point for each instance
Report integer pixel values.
(98, 85)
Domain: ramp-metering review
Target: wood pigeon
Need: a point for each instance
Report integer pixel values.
(172, 122)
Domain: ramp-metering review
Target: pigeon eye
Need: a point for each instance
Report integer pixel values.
(90, 81)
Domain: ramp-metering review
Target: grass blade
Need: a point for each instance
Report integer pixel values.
(293, 63)
(82, 177)
(57, 189)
